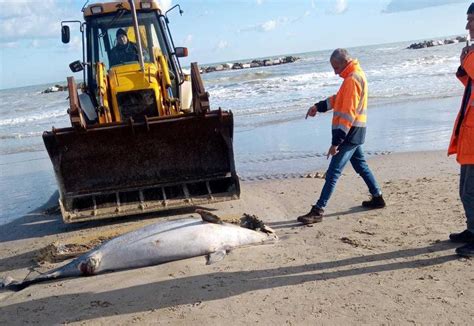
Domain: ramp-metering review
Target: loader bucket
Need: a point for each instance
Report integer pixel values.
(131, 168)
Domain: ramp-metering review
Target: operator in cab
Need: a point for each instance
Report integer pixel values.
(124, 50)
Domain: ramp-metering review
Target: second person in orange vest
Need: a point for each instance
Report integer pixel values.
(349, 107)
(462, 142)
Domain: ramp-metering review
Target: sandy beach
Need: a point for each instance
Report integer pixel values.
(388, 266)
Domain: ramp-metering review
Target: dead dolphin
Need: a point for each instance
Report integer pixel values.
(156, 244)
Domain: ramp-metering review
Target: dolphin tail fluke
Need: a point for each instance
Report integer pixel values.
(18, 286)
(14, 285)
(6, 282)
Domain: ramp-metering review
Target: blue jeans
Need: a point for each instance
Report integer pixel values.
(466, 191)
(353, 153)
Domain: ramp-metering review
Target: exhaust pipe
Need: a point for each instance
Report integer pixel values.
(137, 35)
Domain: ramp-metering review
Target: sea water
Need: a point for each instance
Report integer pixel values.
(413, 100)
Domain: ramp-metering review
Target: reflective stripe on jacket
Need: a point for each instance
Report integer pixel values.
(350, 107)
(462, 139)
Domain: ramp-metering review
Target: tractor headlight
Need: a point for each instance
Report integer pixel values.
(145, 5)
(96, 10)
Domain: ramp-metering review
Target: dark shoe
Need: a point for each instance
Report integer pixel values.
(375, 202)
(315, 215)
(465, 236)
(466, 251)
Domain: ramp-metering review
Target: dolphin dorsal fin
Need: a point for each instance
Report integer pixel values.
(209, 217)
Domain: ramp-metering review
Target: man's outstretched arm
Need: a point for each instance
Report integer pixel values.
(321, 106)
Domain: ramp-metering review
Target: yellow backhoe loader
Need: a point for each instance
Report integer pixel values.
(142, 135)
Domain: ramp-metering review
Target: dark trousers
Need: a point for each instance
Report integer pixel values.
(355, 155)
(466, 192)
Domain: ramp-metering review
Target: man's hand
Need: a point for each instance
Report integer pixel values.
(332, 151)
(321, 106)
(465, 51)
(311, 111)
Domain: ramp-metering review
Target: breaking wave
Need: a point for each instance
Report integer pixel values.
(31, 118)
(20, 135)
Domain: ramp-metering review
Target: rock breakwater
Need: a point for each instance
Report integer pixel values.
(430, 43)
(251, 64)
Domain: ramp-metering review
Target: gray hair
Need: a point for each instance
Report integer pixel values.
(341, 56)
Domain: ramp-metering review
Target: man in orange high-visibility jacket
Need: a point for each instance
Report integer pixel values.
(349, 107)
(462, 142)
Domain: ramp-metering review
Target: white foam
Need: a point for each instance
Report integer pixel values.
(21, 135)
(31, 118)
(389, 49)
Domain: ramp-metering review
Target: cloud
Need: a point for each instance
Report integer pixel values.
(9, 45)
(267, 26)
(259, 2)
(222, 45)
(165, 4)
(273, 24)
(188, 40)
(35, 43)
(206, 13)
(15, 9)
(339, 7)
(408, 5)
(75, 45)
(30, 20)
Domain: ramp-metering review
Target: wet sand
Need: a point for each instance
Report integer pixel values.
(388, 266)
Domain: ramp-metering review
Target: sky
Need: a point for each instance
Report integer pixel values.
(31, 51)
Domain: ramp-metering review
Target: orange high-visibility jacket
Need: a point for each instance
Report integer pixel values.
(462, 139)
(350, 107)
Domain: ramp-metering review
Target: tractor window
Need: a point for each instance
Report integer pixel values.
(103, 57)
(114, 42)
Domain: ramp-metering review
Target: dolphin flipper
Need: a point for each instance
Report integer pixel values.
(215, 256)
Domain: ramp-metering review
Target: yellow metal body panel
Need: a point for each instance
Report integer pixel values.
(131, 35)
(164, 66)
(102, 87)
(111, 7)
(129, 78)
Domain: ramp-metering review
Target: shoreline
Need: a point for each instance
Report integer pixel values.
(392, 265)
(316, 171)
(290, 148)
